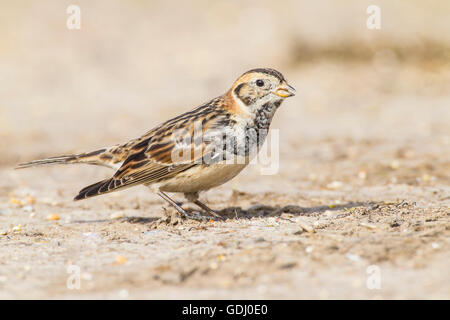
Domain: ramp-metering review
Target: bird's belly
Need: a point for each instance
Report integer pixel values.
(202, 177)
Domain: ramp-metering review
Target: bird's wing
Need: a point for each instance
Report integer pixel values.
(169, 149)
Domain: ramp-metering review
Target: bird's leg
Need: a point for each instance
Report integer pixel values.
(207, 209)
(193, 197)
(180, 210)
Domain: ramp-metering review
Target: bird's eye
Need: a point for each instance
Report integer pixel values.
(260, 83)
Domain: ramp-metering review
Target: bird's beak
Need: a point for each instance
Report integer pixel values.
(284, 90)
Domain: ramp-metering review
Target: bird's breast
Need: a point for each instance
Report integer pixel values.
(202, 177)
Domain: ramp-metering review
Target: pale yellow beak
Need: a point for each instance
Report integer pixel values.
(284, 90)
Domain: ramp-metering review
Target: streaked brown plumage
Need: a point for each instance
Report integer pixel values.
(184, 154)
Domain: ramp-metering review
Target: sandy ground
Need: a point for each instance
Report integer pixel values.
(340, 202)
(358, 208)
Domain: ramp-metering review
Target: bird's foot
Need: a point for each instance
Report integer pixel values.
(214, 215)
(197, 216)
(174, 217)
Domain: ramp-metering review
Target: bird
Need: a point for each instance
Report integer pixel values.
(195, 151)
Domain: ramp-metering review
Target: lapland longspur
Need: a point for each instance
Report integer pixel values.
(195, 151)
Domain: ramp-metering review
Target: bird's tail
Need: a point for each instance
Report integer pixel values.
(95, 189)
(108, 157)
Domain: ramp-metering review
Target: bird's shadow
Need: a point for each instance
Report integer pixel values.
(258, 210)
(132, 219)
(261, 210)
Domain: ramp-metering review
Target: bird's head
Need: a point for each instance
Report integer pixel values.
(259, 87)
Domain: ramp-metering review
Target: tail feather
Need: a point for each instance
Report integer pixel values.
(102, 157)
(53, 160)
(111, 157)
(93, 190)
(102, 187)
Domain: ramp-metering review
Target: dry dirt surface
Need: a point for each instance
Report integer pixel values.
(358, 208)
(340, 211)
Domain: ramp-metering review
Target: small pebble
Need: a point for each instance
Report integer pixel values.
(120, 260)
(91, 235)
(52, 217)
(15, 202)
(49, 201)
(362, 174)
(123, 293)
(320, 224)
(368, 225)
(117, 215)
(31, 200)
(335, 185)
(331, 214)
(17, 228)
(435, 245)
(28, 209)
(149, 233)
(395, 164)
(213, 266)
(352, 257)
(273, 222)
(306, 226)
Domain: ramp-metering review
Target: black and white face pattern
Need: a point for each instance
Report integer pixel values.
(257, 93)
(256, 87)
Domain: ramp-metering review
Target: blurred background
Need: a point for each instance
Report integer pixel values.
(135, 63)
